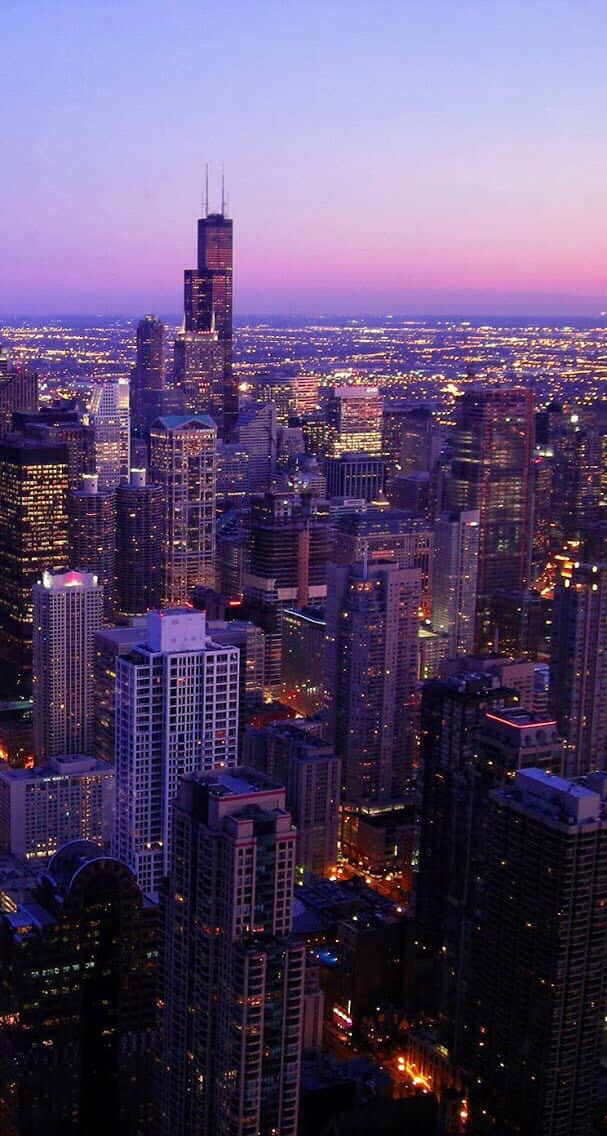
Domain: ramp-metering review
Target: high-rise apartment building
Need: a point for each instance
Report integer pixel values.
(454, 579)
(355, 417)
(109, 418)
(379, 533)
(492, 471)
(41, 809)
(233, 976)
(208, 301)
(33, 538)
(536, 998)
(183, 461)
(68, 611)
(148, 374)
(372, 624)
(78, 1001)
(578, 666)
(109, 643)
(176, 712)
(140, 528)
(91, 513)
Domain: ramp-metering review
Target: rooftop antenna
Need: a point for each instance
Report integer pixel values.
(223, 194)
(206, 190)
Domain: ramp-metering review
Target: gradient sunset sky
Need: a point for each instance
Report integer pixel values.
(407, 156)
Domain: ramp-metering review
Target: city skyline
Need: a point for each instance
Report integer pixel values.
(388, 158)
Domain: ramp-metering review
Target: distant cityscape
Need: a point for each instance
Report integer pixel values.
(303, 723)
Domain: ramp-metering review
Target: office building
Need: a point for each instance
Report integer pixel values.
(256, 431)
(183, 462)
(68, 611)
(140, 520)
(355, 475)
(411, 439)
(288, 556)
(41, 809)
(18, 391)
(61, 425)
(232, 476)
(208, 302)
(454, 579)
(148, 374)
(354, 415)
(91, 514)
(371, 659)
(176, 712)
(303, 655)
(33, 538)
(199, 373)
(492, 471)
(78, 1000)
(233, 975)
(536, 999)
(297, 758)
(109, 418)
(578, 666)
(378, 533)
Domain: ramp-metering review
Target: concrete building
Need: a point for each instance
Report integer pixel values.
(68, 612)
(176, 712)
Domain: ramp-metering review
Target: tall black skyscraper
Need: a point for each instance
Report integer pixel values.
(208, 300)
(147, 378)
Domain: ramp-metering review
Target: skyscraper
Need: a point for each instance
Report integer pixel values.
(454, 579)
(140, 520)
(233, 976)
(372, 624)
(578, 666)
(355, 417)
(208, 301)
(491, 470)
(33, 538)
(176, 712)
(68, 611)
(536, 1001)
(148, 374)
(78, 1001)
(18, 391)
(183, 461)
(92, 535)
(199, 372)
(110, 422)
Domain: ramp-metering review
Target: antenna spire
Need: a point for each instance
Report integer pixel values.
(223, 193)
(206, 190)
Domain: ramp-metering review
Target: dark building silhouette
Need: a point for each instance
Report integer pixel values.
(492, 471)
(92, 535)
(61, 425)
(18, 391)
(33, 537)
(535, 1005)
(148, 374)
(78, 997)
(139, 545)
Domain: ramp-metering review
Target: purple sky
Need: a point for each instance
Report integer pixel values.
(400, 156)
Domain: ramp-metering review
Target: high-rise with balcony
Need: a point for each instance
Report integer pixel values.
(176, 712)
(536, 1000)
(233, 976)
(183, 461)
(208, 303)
(68, 612)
